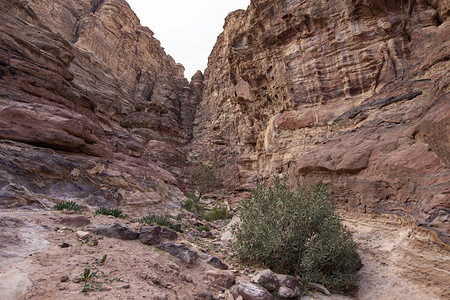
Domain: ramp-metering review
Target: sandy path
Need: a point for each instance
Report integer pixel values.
(18, 241)
(400, 261)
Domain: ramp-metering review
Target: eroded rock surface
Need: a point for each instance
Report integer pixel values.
(91, 108)
(355, 93)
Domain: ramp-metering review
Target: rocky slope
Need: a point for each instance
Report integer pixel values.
(91, 108)
(355, 93)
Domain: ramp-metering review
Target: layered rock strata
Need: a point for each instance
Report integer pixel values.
(355, 93)
(91, 107)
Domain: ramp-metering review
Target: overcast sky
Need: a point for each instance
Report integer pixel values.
(187, 29)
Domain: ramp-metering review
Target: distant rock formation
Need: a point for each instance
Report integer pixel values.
(91, 108)
(355, 93)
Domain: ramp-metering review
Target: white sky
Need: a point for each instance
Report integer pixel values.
(187, 29)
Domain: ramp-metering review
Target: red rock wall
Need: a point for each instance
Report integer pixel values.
(355, 93)
(91, 108)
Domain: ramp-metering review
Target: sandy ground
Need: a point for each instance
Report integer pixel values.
(400, 261)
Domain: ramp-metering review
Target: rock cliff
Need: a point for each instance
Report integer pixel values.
(355, 93)
(91, 108)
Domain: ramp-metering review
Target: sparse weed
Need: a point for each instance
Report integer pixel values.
(161, 221)
(107, 211)
(203, 228)
(88, 275)
(91, 241)
(219, 212)
(102, 260)
(68, 205)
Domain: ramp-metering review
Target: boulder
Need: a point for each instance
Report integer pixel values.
(286, 293)
(214, 261)
(168, 234)
(289, 282)
(180, 251)
(77, 221)
(221, 278)
(150, 235)
(267, 279)
(250, 291)
(115, 230)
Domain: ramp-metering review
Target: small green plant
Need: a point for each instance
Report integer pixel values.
(107, 211)
(219, 212)
(68, 205)
(88, 275)
(189, 204)
(91, 241)
(297, 232)
(161, 221)
(203, 228)
(102, 260)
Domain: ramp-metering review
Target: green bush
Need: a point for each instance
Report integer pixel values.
(161, 221)
(68, 205)
(219, 212)
(205, 179)
(203, 228)
(110, 212)
(188, 204)
(297, 232)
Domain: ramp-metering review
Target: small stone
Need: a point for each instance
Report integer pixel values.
(206, 234)
(64, 245)
(161, 296)
(214, 261)
(82, 234)
(125, 286)
(319, 287)
(64, 279)
(76, 280)
(228, 295)
(205, 296)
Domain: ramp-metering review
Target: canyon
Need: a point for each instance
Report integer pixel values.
(354, 93)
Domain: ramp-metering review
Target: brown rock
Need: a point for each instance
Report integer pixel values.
(150, 235)
(77, 221)
(69, 80)
(267, 279)
(250, 291)
(82, 234)
(221, 278)
(116, 230)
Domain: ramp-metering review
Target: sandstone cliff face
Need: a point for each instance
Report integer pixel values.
(91, 107)
(355, 93)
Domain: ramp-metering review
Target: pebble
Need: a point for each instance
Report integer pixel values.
(64, 245)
